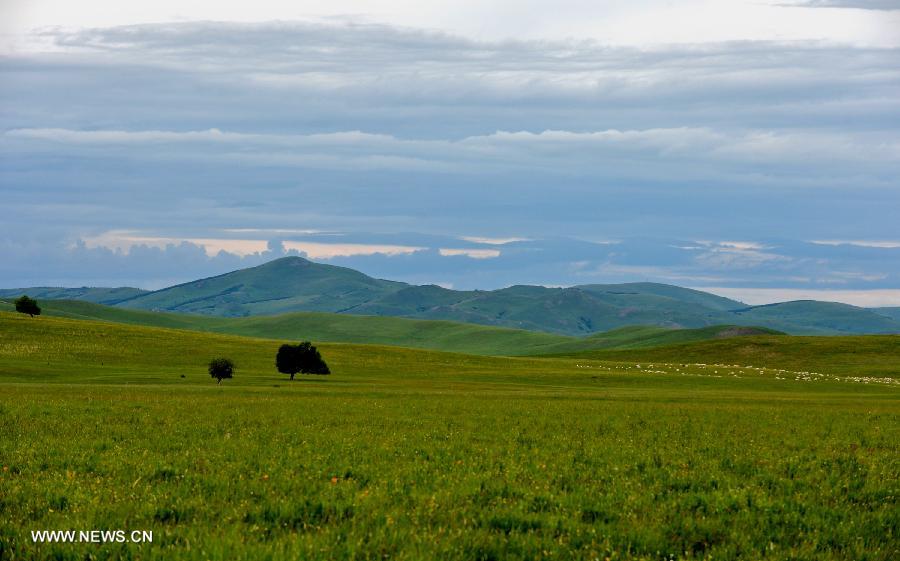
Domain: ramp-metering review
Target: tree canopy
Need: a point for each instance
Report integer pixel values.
(221, 369)
(302, 358)
(26, 305)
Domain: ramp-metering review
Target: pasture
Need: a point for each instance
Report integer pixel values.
(417, 454)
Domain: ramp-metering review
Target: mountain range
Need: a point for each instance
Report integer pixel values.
(292, 284)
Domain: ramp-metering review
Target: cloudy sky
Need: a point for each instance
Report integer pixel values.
(747, 147)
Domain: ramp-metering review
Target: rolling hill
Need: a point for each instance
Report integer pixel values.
(893, 313)
(108, 296)
(621, 292)
(869, 355)
(810, 317)
(844, 356)
(402, 332)
(283, 285)
(294, 284)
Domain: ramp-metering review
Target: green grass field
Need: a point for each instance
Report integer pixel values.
(419, 454)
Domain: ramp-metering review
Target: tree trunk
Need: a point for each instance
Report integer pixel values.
(218, 381)
(292, 376)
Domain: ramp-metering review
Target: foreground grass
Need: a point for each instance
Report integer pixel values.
(407, 454)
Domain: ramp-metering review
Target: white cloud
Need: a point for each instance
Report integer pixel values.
(472, 253)
(124, 241)
(758, 296)
(492, 241)
(275, 231)
(888, 244)
(317, 250)
(641, 23)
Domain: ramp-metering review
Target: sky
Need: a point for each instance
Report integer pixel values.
(749, 148)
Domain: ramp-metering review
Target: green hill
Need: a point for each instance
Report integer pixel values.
(107, 346)
(283, 285)
(319, 326)
(63, 350)
(108, 296)
(556, 310)
(576, 310)
(294, 284)
(402, 332)
(810, 317)
(893, 313)
(868, 355)
(643, 337)
(685, 295)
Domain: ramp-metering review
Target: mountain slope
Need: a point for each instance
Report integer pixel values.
(893, 313)
(108, 296)
(577, 310)
(557, 310)
(283, 285)
(809, 317)
(293, 284)
(667, 291)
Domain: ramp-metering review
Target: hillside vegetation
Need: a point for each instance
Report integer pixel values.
(287, 284)
(428, 334)
(109, 296)
(893, 313)
(866, 355)
(293, 284)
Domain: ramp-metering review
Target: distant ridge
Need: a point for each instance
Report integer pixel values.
(293, 284)
(107, 296)
(818, 317)
(893, 313)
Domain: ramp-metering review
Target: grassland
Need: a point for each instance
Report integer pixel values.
(415, 454)
(329, 327)
(426, 334)
(859, 355)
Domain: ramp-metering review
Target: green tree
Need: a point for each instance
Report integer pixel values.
(303, 358)
(221, 368)
(26, 305)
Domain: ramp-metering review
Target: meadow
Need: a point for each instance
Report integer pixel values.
(381, 330)
(421, 454)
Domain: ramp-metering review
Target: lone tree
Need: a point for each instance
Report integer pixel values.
(221, 368)
(303, 358)
(26, 305)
